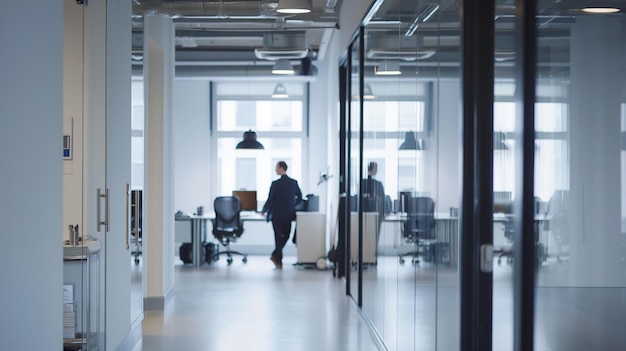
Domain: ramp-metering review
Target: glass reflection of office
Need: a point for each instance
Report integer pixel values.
(386, 120)
(551, 144)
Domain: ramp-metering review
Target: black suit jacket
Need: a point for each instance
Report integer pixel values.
(282, 199)
(374, 197)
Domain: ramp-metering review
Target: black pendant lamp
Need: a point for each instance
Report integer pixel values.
(249, 141)
(410, 143)
(498, 141)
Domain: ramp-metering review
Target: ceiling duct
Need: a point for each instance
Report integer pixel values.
(390, 46)
(283, 46)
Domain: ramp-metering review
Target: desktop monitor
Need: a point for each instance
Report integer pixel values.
(248, 199)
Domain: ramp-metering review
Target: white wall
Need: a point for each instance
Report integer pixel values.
(31, 212)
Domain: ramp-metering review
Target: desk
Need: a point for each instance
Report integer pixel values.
(194, 229)
(447, 229)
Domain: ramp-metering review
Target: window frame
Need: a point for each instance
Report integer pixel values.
(264, 164)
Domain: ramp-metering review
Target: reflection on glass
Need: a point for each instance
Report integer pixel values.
(578, 171)
(407, 300)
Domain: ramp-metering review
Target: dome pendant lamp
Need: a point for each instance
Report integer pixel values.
(249, 141)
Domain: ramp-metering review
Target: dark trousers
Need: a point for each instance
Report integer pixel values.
(282, 229)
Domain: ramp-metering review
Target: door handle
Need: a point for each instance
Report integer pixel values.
(127, 217)
(486, 258)
(106, 209)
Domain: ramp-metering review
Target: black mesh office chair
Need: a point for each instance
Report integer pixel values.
(558, 216)
(419, 228)
(227, 225)
(509, 234)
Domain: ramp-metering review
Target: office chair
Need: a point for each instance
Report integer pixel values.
(135, 224)
(419, 228)
(558, 216)
(227, 225)
(507, 252)
(509, 233)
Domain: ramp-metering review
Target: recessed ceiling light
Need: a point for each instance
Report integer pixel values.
(294, 6)
(600, 9)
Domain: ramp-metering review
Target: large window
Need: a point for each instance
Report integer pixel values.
(278, 123)
(551, 141)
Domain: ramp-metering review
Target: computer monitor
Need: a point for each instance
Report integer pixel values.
(248, 199)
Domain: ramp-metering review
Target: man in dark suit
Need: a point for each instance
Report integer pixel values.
(280, 208)
(374, 193)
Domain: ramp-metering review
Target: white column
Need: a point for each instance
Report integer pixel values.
(31, 215)
(158, 239)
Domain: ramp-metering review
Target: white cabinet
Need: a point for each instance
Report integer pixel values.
(370, 237)
(311, 237)
(81, 296)
(96, 90)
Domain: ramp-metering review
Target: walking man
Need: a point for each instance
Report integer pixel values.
(280, 208)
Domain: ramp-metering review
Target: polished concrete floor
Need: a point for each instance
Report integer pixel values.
(255, 306)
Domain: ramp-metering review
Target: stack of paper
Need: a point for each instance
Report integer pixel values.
(69, 314)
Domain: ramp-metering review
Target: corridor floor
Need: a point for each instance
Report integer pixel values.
(256, 307)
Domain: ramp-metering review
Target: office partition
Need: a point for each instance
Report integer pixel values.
(520, 143)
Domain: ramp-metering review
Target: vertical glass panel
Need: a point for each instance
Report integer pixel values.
(504, 173)
(411, 131)
(579, 178)
(355, 169)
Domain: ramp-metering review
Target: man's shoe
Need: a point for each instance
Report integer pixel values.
(277, 263)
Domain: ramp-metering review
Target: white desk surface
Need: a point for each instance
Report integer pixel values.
(497, 217)
(245, 215)
(401, 217)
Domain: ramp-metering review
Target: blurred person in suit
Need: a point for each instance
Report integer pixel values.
(374, 193)
(280, 209)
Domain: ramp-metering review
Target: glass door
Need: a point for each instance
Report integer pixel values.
(355, 167)
(579, 176)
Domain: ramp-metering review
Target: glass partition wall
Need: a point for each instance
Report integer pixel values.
(547, 252)
(405, 166)
(579, 177)
(354, 166)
